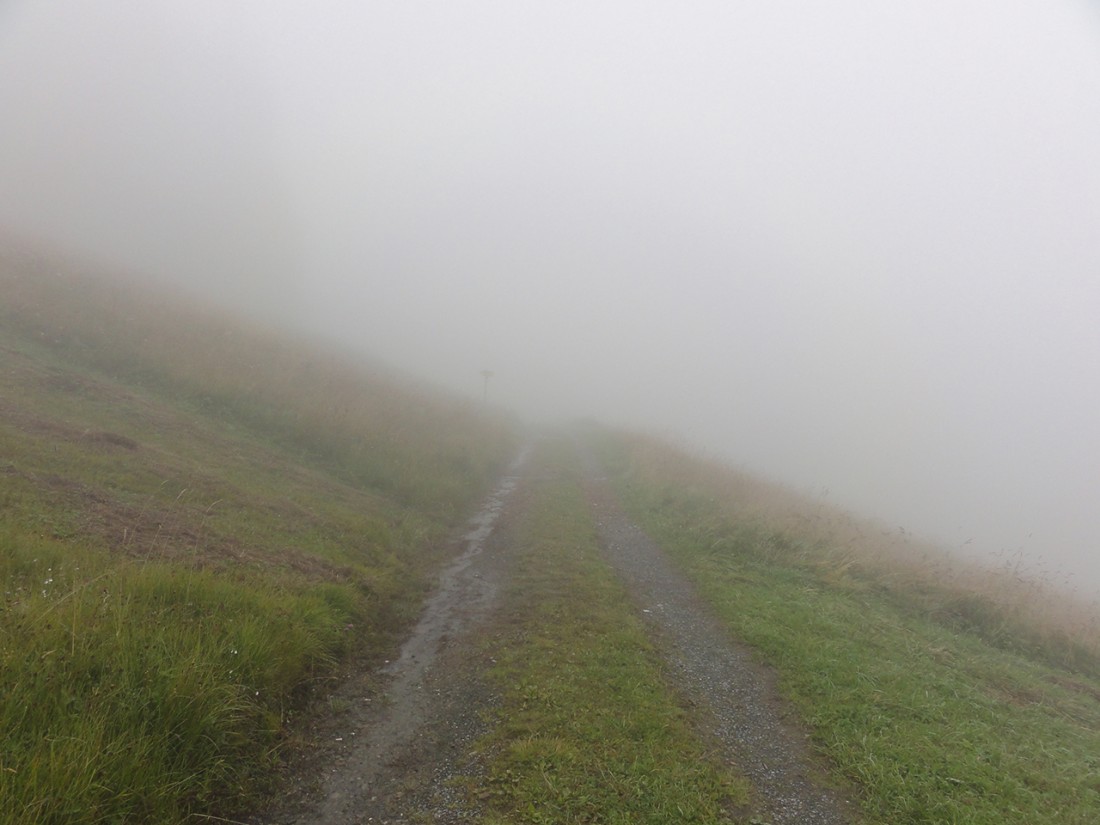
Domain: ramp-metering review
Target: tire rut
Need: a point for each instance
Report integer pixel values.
(398, 747)
(733, 698)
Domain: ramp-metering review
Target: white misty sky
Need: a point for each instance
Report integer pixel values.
(854, 246)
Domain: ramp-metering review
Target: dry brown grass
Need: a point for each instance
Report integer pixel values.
(381, 429)
(1003, 604)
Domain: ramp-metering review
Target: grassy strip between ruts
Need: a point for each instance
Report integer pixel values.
(588, 730)
(935, 724)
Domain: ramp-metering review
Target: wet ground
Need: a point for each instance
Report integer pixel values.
(397, 737)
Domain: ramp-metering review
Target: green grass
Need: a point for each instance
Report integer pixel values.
(933, 720)
(139, 692)
(199, 524)
(588, 730)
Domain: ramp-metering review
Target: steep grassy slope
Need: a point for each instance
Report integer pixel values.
(197, 521)
(946, 693)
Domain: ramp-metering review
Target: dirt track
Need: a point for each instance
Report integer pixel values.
(737, 708)
(389, 752)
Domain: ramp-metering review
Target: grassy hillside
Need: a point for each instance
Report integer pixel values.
(946, 693)
(198, 521)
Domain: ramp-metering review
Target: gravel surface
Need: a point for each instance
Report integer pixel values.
(397, 737)
(733, 698)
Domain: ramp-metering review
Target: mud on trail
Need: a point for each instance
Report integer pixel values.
(397, 738)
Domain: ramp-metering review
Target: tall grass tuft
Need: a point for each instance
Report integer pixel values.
(142, 692)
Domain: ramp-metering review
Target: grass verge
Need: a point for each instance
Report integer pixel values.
(144, 693)
(935, 722)
(588, 730)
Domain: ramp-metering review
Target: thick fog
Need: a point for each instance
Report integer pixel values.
(853, 246)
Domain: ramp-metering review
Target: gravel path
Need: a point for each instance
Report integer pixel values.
(390, 751)
(396, 737)
(735, 701)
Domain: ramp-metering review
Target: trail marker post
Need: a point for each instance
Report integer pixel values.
(486, 374)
